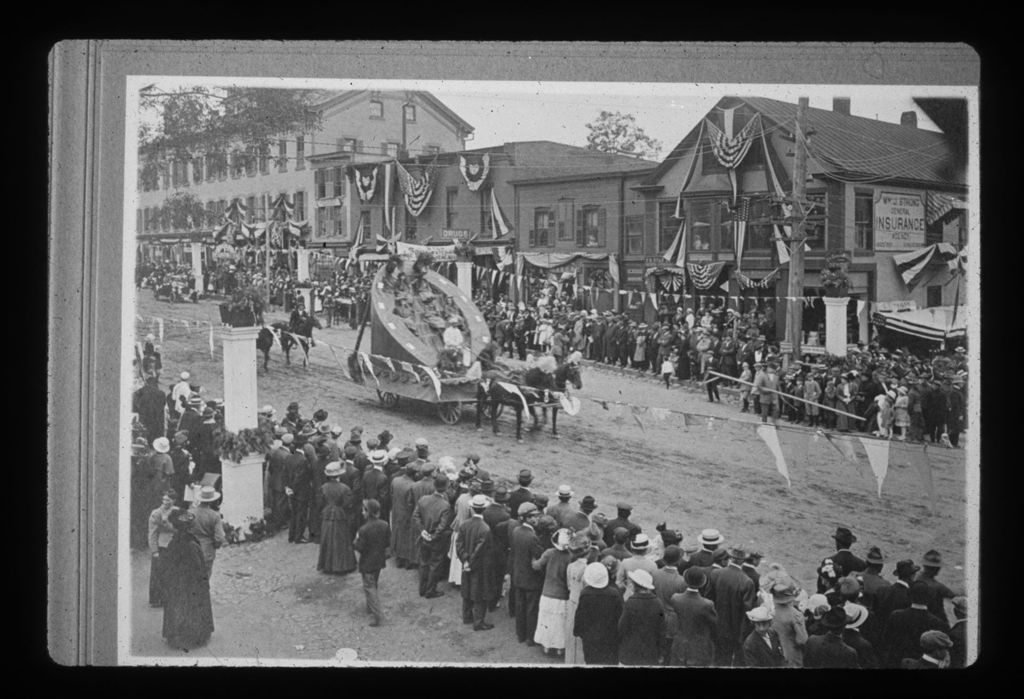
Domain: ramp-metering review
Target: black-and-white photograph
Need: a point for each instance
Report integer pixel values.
(548, 372)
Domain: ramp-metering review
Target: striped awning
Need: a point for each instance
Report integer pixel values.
(929, 323)
(940, 205)
(911, 265)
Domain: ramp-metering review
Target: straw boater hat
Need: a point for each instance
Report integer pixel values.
(640, 543)
(185, 376)
(564, 491)
(711, 537)
(642, 578)
(760, 614)
(856, 615)
(150, 337)
(208, 494)
(378, 457)
(161, 445)
(333, 469)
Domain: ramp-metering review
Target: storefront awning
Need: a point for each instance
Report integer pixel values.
(941, 205)
(929, 323)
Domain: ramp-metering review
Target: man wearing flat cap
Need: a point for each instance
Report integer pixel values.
(904, 628)
(522, 493)
(623, 510)
(432, 521)
(527, 583)
(734, 596)
(762, 647)
(935, 649)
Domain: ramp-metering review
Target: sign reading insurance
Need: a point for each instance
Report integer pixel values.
(899, 221)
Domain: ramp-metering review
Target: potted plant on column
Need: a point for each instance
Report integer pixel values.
(244, 308)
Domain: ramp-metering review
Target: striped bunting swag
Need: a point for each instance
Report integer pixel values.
(282, 209)
(704, 276)
(763, 283)
(730, 150)
(416, 191)
(740, 232)
(911, 265)
(474, 171)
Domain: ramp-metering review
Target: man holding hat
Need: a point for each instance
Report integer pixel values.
(935, 648)
(208, 527)
(474, 548)
(693, 644)
(904, 628)
(762, 647)
(938, 593)
(623, 510)
(527, 583)
(402, 505)
(642, 624)
(734, 595)
(432, 519)
(827, 650)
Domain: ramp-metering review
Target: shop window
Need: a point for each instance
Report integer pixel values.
(934, 296)
(635, 235)
(699, 216)
(451, 213)
(409, 111)
(328, 221)
(365, 222)
(864, 220)
(543, 226)
(668, 227)
(410, 228)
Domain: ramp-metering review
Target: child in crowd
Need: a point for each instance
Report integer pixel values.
(668, 367)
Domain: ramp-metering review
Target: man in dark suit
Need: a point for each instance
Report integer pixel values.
(871, 580)
(762, 647)
(828, 650)
(894, 597)
(401, 514)
(667, 583)
(934, 655)
(277, 465)
(432, 519)
(710, 540)
(497, 517)
(903, 630)
(298, 486)
(938, 593)
(958, 634)
(371, 543)
(375, 484)
(621, 520)
(423, 486)
(734, 596)
(696, 624)
(190, 421)
(149, 402)
(843, 559)
(525, 548)
(474, 548)
(521, 494)
(856, 615)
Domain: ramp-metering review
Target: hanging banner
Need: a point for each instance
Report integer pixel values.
(769, 436)
(440, 253)
(417, 190)
(660, 414)
(704, 276)
(474, 169)
(637, 411)
(364, 177)
(878, 456)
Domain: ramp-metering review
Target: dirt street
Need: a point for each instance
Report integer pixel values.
(269, 601)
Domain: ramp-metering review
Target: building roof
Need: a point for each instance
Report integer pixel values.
(548, 159)
(853, 145)
(324, 99)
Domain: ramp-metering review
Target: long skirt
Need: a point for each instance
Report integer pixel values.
(573, 644)
(336, 553)
(455, 567)
(551, 622)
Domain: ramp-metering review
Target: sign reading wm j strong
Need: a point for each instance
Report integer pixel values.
(899, 221)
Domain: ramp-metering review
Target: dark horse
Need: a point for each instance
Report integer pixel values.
(265, 341)
(536, 387)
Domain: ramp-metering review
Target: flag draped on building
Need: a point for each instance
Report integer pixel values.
(475, 169)
(676, 253)
(730, 150)
(417, 190)
(740, 230)
(364, 177)
(704, 276)
(389, 210)
(499, 224)
(911, 265)
(763, 283)
(357, 241)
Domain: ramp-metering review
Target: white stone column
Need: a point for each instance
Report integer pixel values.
(464, 275)
(197, 267)
(242, 481)
(302, 254)
(835, 324)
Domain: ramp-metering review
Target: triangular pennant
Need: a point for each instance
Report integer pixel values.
(878, 456)
(637, 410)
(769, 435)
(659, 414)
(211, 337)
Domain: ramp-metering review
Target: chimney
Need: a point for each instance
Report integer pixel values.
(841, 105)
(908, 119)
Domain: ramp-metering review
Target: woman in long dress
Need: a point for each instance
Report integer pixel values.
(462, 513)
(337, 556)
(597, 616)
(579, 547)
(844, 402)
(554, 596)
(188, 613)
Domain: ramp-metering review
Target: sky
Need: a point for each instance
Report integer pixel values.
(559, 111)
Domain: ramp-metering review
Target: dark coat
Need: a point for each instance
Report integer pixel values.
(641, 630)
(402, 505)
(525, 548)
(375, 486)
(829, 651)
(846, 563)
(596, 624)
(299, 475)
(958, 653)
(516, 498)
(609, 529)
(734, 596)
(757, 653)
(277, 468)
(902, 635)
(188, 613)
(149, 404)
(474, 548)
(866, 656)
(917, 664)
(890, 599)
(372, 544)
(938, 593)
(696, 629)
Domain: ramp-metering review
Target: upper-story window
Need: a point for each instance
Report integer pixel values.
(282, 155)
(409, 112)
(590, 227)
(376, 109)
(347, 145)
(864, 220)
(390, 149)
(300, 152)
(542, 234)
(668, 227)
(450, 208)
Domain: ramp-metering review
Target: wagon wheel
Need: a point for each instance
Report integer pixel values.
(495, 412)
(449, 412)
(389, 400)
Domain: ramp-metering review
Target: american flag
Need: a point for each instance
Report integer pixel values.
(740, 229)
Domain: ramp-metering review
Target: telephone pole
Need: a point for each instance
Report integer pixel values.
(794, 318)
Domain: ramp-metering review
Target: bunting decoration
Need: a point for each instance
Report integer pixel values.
(676, 253)
(636, 411)
(407, 367)
(769, 435)
(475, 170)
(417, 190)
(369, 366)
(389, 210)
(730, 150)
(365, 179)
(357, 241)
(740, 229)
(689, 173)
(704, 276)
(498, 220)
(877, 451)
(911, 265)
(282, 209)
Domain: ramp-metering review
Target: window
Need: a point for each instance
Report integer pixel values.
(390, 149)
(299, 214)
(590, 227)
(565, 219)
(726, 226)
(486, 223)
(250, 162)
(236, 164)
(282, 155)
(543, 225)
(635, 234)
(320, 183)
(211, 213)
(410, 228)
(250, 209)
(814, 224)
(197, 170)
(364, 223)
(934, 296)
(699, 219)
(300, 152)
(668, 227)
(409, 111)
(347, 145)
(260, 215)
(376, 109)
(328, 221)
(451, 213)
(165, 176)
(759, 227)
(863, 220)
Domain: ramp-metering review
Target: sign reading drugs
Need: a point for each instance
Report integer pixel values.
(899, 221)
(456, 234)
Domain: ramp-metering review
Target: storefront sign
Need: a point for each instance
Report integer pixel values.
(899, 221)
(440, 253)
(895, 306)
(456, 234)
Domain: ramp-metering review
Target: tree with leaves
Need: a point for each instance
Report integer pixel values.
(184, 211)
(615, 132)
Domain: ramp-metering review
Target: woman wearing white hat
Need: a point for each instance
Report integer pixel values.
(337, 556)
(554, 595)
(642, 625)
(597, 617)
